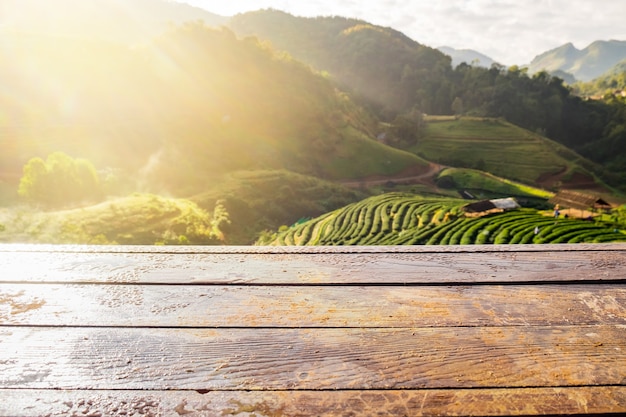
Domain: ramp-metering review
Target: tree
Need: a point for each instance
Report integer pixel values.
(407, 128)
(59, 181)
(457, 106)
(35, 181)
(219, 221)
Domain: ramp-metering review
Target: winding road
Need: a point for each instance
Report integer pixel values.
(401, 178)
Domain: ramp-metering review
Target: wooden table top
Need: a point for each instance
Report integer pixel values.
(312, 331)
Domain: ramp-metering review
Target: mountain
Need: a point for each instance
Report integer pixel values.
(392, 72)
(468, 56)
(611, 83)
(129, 22)
(185, 103)
(586, 64)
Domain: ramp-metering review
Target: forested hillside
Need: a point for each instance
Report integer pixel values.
(189, 106)
(612, 82)
(399, 76)
(390, 71)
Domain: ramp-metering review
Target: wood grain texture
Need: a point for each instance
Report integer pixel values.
(314, 268)
(312, 359)
(197, 331)
(327, 306)
(457, 402)
(579, 247)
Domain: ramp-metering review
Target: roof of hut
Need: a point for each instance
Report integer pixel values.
(505, 203)
(578, 200)
(479, 206)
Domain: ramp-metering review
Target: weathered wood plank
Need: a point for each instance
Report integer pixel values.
(281, 306)
(473, 402)
(311, 359)
(579, 247)
(491, 330)
(313, 268)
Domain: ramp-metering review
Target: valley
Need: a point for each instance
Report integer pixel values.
(244, 134)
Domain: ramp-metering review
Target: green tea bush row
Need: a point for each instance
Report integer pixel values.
(403, 219)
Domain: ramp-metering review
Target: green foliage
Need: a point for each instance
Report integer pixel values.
(387, 70)
(406, 129)
(393, 75)
(617, 217)
(403, 219)
(608, 84)
(384, 219)
(542, 103)
(457, 106)
(479, 181)
(312, 132)
(140, 219)
(59, 181)
(198, 103)
(265, 200)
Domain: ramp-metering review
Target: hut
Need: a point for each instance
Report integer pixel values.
(484, 207)
(583, 203)
(506, 203)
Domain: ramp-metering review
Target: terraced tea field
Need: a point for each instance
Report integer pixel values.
(498, 147)
(406, 219)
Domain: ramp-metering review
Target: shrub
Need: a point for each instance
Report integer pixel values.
(59, 181)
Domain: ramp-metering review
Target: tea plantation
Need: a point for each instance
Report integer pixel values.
(405, 219)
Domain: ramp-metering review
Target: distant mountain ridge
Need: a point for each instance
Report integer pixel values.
(584, 64)
(469, 56)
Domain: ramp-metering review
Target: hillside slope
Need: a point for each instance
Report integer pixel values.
(391, 71)
(505, 150)
(260, 201)
(192, 105)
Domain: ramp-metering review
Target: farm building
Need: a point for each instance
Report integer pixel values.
(580, 201)
(484, 207)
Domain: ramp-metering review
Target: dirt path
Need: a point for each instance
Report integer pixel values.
(408, 176)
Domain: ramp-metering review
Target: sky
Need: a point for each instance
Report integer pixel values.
(512, 32)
